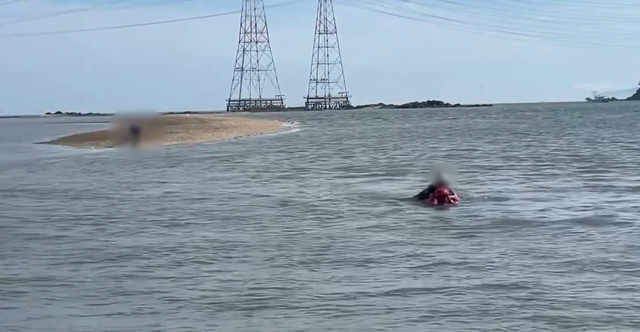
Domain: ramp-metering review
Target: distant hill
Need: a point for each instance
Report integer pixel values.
(636, 96)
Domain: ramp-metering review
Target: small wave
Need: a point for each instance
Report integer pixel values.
(437, 263)
(501, 286)
(496, 199)
(54, 150)
(601, 220)
(507, 222)
(289, 127)
(416, 291)
(292, 130)
(291, 124)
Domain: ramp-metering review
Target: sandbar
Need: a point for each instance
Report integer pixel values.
(174, 129)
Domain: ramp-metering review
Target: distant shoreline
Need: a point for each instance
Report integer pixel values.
(411, 105)
(382, 106)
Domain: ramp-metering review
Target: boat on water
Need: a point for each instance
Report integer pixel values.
(600, 97)
(597, 98)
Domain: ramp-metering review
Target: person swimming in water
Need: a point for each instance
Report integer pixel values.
(439, 183)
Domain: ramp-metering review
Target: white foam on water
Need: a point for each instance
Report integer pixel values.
(290, 127)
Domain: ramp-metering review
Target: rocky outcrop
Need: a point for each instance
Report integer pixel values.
(419, 104)
(60, 113)
(636, 96)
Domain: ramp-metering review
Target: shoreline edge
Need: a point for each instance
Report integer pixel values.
(163, 130)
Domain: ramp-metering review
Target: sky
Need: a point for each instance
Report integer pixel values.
(393, 51)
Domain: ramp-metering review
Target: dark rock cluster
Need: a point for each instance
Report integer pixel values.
(76, 114)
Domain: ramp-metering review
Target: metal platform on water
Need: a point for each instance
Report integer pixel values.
(327, 103)
(253, 104)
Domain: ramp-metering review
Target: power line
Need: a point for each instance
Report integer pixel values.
(529, 11)
(486, 29)
(136, 25)
(63, 12)
(597, 4)
(565, 37)
(549, 26)
(117, 27)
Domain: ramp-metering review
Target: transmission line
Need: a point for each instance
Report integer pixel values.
(597, 4)
(505, 18)
(445, 19)
(505, 10)
(64, 12)
(536, 32)
(481, 28)
(137, 25)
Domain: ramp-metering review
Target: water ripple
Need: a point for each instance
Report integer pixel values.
(313, 230)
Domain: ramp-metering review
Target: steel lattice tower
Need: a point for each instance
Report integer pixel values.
(254, 68)
(327, 85)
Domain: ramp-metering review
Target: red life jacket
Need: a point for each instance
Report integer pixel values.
(443, 196)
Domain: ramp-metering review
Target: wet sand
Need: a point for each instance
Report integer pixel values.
(173, 129)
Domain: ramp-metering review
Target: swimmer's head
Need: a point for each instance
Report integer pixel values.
(440, 177)
(443, 174)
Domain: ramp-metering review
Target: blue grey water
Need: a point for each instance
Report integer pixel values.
(311, 230)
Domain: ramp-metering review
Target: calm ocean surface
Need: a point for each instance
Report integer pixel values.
(311, 230)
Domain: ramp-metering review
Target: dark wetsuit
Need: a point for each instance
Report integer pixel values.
(431, 189)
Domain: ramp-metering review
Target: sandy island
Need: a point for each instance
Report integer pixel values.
(174, 129)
